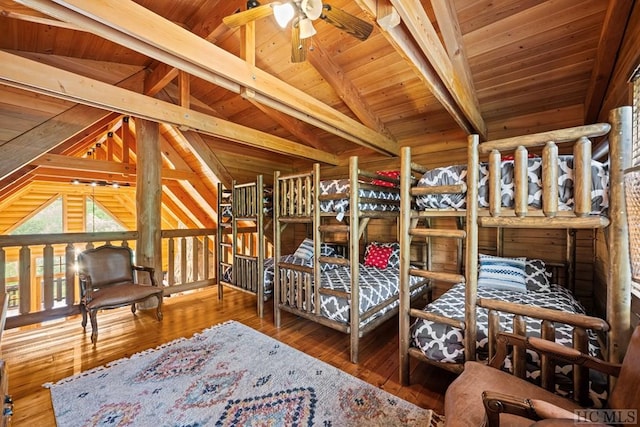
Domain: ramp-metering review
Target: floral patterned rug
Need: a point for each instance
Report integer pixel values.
(228, 375)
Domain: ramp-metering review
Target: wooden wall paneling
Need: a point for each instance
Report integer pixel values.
(618, 93)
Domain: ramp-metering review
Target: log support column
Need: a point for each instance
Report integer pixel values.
(149, 198)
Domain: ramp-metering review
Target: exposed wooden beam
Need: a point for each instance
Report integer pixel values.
(161, 76)
(415, 18)
(407, 46)
(129, 24)
(26, 74)
(57, 161)
(15, 11)
(613, 29)
(206, 154)
(346, 90)
(447, 19)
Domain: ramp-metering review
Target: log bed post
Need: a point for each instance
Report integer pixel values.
(259, 213)
(354, 256)
(277, 229)
(619, 275)
(471, 271)
(405, 259)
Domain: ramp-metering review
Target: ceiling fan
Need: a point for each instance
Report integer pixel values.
(301, 14)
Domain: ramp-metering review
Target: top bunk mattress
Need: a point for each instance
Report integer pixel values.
(378, 199)
(457, 174)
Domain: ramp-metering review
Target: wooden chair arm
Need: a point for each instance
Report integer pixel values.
(86, 290)
(533, 409)
(553, 350)
(149, 270)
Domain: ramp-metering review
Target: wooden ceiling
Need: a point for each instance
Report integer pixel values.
(234, 105)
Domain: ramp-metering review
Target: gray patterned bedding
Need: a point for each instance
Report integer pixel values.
(457, 174)
(445, 343)
(336, 186)
(376, 286)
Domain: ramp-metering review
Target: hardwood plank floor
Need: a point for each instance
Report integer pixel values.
(39, 354)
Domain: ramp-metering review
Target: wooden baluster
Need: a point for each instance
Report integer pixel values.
(47, 276)
(519, 354)
(24, 279)
(70, 275)
(493, 329)
(194, 258)
(183, 260)
(547, 367)
(550, 179)
(521, 181)
(171, 261)
(3, 271)
(580, 373)
(582, 177)
(205, 259)
(495, 178)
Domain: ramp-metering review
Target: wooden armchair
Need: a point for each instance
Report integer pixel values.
(108, 280)
(485, 394)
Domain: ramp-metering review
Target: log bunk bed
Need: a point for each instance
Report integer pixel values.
(244, 212)
(355, 297)
(550, 312)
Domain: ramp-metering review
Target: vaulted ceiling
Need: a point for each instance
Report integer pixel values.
(233, 104)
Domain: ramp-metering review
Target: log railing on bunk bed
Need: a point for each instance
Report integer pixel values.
(616, 327)
(243, 247)
(365, 195)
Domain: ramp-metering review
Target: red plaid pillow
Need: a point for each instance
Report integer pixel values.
(390, 174)
(378, 256)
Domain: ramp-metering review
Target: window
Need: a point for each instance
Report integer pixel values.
(635, 80)
(636, 117)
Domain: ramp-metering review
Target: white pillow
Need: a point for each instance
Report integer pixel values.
(305, 250)
(502, 273)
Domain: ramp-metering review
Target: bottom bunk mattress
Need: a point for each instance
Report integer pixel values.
(444, 343)
(376, 286)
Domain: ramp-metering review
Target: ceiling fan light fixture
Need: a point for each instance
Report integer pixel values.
(312, 8)
(283, 13)
(306, 28)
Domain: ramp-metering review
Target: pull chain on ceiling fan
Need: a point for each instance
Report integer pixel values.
(301, 14)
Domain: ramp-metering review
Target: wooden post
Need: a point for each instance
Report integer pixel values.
(405, 260)
(471, 271)
(619, 276)
(149, 198)
(354, 256)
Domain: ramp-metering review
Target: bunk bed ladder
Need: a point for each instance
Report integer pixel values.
(224, 234)
(418, 227)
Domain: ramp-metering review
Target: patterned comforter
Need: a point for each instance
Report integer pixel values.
(376, 286)
(342, 205)
(456, 174)
(445, 343)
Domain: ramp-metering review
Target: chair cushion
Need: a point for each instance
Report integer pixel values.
(463, 399)
(123, 294)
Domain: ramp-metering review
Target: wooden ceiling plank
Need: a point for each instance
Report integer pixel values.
(416, 20)
(615, 24)
(30, 75)
(131, 25)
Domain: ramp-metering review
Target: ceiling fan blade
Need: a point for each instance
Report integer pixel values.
(298, 45)
(248, 15)
(347, 22)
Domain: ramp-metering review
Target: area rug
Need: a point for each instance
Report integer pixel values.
(228, 375)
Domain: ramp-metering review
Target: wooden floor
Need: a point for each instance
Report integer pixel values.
(49, 352)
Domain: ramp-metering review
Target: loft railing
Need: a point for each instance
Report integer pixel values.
(38, 271)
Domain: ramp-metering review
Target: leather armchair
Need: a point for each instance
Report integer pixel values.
(108, 280)
(483, 393)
